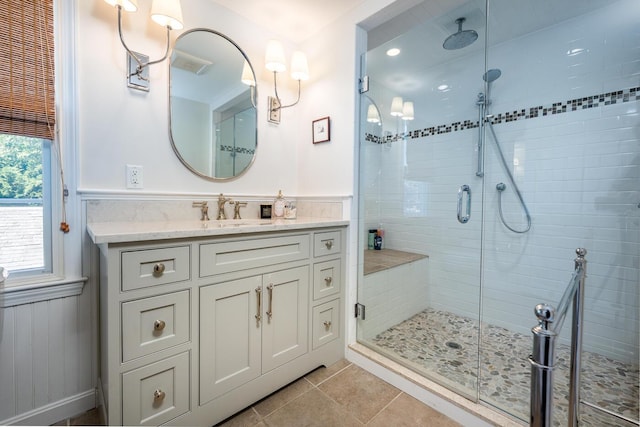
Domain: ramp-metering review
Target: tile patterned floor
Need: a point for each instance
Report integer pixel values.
(443, 346)
(341, 395)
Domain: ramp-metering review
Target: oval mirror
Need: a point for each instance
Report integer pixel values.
(212, 93)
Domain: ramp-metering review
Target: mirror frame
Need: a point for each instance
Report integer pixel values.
(254, 98)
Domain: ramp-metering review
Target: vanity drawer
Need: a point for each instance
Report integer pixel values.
(153, 324)
(151, 267)
(326, 279)
(327, 243)
(326, 323)
(156, 393)
(224, 257)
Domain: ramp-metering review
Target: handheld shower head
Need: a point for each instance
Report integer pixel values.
(492, 75)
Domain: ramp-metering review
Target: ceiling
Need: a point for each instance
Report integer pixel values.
(295, 20)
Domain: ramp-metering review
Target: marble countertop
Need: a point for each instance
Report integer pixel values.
(120, 232)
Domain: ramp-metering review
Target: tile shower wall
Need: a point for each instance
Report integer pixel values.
(578, 168)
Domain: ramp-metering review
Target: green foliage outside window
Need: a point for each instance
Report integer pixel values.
(20, 167)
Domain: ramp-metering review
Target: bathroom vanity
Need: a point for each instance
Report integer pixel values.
(199, 320)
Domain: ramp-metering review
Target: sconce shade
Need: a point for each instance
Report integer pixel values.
(167, 13)
(396, 106)
(407, 111)
(372, 114)
(274, 57)
(127, 5)
(247, 75)
(299, 66)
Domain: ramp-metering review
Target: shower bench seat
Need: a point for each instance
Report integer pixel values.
(395, 286)
(384, 259)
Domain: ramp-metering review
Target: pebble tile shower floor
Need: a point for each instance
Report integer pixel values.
(445, 345)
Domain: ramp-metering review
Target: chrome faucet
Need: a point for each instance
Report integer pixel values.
(236, 209)
(221, 201)
(204, 210)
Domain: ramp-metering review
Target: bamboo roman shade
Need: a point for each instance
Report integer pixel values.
(27, 68)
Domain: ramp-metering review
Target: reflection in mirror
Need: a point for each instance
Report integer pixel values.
(213, 123)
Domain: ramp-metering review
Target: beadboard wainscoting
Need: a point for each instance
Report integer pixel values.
(47, 357)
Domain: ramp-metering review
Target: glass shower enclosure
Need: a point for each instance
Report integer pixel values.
(497, 139)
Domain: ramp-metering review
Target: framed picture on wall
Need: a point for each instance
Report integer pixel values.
(321, 129)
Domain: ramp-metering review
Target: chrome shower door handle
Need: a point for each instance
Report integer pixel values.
(463, 219)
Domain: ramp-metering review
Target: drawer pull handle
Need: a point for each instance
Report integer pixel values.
(159, 325)
(270, 310)
(158, 269)
(328, 280)
(329, 244)
(259, 308)
(327, 324)
(158, 395)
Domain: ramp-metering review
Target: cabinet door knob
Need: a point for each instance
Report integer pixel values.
(329, 244)
(328, 280)
(159, 325)
(158, 269)
(327, 324)
(158, 395)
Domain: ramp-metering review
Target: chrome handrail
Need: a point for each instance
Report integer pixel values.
(542, 358)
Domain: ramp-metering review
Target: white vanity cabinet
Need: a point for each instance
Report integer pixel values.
(250, 326)
(194, 329)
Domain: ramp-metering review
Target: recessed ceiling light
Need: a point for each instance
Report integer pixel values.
(394, 51)
(443, 88)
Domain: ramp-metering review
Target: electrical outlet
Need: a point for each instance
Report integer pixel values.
(134, 176)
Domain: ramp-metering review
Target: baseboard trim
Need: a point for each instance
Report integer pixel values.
(55, 411)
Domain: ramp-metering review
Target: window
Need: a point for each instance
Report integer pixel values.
(25, 205)
(27, 136)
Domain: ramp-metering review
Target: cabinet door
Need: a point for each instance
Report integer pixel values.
(229, 335)
(285, 318)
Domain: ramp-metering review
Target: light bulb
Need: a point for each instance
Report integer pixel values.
(127, 5)
(372, 114)
(274, 57)
(396, 106)
(299, 66)
(407, 111)
(167, 13)
(247, 75)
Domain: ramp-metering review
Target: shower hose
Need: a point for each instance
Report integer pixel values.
(501, 187)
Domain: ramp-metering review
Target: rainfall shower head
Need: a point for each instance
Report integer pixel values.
(461, 38)
(492, 75)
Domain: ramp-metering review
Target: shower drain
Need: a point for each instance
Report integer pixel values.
(453, 344)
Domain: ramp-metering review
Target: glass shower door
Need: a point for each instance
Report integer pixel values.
(420, 192)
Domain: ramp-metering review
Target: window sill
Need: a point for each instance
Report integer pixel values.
(26, 294)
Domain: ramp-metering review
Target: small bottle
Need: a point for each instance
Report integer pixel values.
(278, 205)
(371, 238)
(377, 242)
(290, 211)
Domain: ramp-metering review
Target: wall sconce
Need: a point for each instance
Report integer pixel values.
(167, 13)
(372, 114)
(402, 109)
(275, 61)
(407, 111)
(396, 106)
(247, 79)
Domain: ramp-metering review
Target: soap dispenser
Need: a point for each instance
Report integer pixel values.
(278, 205)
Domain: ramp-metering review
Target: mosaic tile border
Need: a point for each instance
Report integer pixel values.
(237, 150)
(604, 99)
